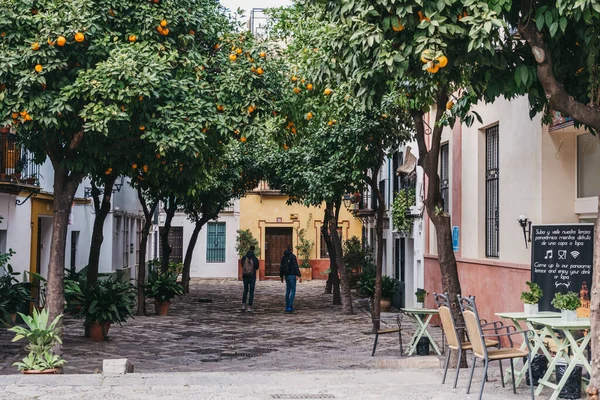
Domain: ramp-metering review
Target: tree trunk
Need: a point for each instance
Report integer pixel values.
(333, 280)
(372, 181)
(594, 385)
(102, 208)
(141, 278)
(429, 160)
(341, 266)
(164, 234)
(65, 185)
(185, 275)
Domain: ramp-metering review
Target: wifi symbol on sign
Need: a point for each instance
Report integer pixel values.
(575, 254)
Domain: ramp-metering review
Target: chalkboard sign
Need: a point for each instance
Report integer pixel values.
(561, 262)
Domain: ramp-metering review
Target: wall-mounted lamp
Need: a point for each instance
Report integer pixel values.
(526, 225)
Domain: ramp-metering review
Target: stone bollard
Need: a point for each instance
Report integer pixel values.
(117, 366)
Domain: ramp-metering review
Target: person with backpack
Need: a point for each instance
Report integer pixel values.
(289, 271)
(249, 268)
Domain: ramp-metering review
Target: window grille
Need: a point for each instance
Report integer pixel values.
(492, 193)
(215, 243)
(444, 176)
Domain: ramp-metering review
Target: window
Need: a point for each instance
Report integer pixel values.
(588, 165)
(397, 160)
(492, 193)
(138, 239)
(215, 242)
(323, 253)
(125, 242)
(445, 176)
(74, 240)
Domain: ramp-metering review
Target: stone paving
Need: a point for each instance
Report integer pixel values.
(216, 336)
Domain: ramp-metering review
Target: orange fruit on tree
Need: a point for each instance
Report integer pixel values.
(163, 23)
(216, 46)
(262, 54)
(294, 78)
(61, 41)
(220, 107)
(449, 105)
(132, 38)
(238, 50)
(145, 168)
(38, 68)
(426, 56)
(309, 116)
(399, 27)
(111, 13)
(259, 71)
(433, 67)
(165, 31)
(253, 68)
(142, 128)
(242, 139)
(442, 61)
(232, 57)
(141, 98)
(50, 42)
(327, 92)
(35, 46)
(79, 37)
(157, 156)
(251, 109)
(191, 32)
(296, 90)
(134, 166)
(15, 115)
(309, 86)
(293, 130)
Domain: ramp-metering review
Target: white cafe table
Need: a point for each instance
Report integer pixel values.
(577, 347)
(519, 319)
(416, 314)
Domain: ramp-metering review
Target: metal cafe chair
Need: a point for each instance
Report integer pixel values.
(480, 350)
(387, 331)
(454, 336)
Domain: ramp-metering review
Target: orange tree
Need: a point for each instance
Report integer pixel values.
(422, 53)
(77, 75)
(329, 144)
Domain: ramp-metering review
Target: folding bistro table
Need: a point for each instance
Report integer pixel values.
(577, 347)
(417, 314)
(518, 319)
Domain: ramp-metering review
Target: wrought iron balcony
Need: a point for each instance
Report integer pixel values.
(18, 171)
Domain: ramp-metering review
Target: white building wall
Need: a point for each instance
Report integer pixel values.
(16, 227)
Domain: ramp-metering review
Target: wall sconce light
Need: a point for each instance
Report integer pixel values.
(347, 199)
(526, 225)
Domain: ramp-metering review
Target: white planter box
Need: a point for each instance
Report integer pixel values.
(568, 315)
(531, 309)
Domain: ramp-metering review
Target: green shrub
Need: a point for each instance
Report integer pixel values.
(403, 200)
(568, 301)
(244, 241)
(108, 301)
(163, 286)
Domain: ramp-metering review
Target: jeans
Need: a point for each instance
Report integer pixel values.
(249, 283)
(290, 291)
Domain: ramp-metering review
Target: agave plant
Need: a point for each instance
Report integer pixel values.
(42, 337)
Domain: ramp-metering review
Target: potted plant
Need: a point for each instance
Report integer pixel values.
(305, 247)
(567, 303)
(163, 287)
(388, 288)
(530, 299)
(401, 217)
(421, 294)
(42, 337)
(13, 294)
(109, 301)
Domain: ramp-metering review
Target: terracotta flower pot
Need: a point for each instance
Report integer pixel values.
(306, 274)
(385, 304)
(162, 307)
(44, 372)
(98, 332)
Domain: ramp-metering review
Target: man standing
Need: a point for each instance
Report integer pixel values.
(290, 272)
(249, 267)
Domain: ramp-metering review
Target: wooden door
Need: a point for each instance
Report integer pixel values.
(277, 241)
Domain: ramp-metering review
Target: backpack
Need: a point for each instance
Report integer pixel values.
(289, 265)
(248, 267)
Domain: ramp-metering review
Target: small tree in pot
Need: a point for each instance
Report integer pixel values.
(388, 287)
(531, 298)
(421, 295)
(567, 303)
(305, 247)
(163, 287)
(105, 303)
(42, 337)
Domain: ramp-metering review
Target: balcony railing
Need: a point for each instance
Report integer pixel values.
(18, 171)
(560, 121)
(264, 189)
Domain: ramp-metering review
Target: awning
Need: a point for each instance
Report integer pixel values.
(410, 163)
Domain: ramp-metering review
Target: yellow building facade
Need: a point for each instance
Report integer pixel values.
(275, 225)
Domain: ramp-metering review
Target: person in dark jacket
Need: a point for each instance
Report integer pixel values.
(249, 280)
(289, 271)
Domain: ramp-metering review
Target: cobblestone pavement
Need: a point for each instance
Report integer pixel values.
(256, 385)
(216, 336)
